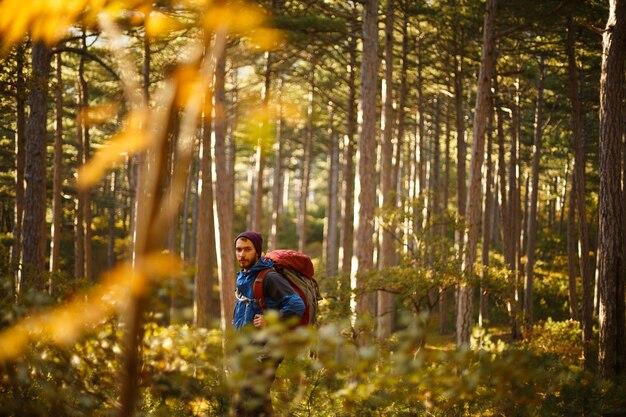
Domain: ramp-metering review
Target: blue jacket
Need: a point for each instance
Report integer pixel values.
(279, 295)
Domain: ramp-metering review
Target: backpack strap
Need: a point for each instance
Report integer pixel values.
(257, 288)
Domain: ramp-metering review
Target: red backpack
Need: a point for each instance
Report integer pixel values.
(297, 268)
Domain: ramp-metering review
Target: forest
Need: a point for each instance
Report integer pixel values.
(455, 169)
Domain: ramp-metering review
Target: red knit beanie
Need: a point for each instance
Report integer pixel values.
(254, 237)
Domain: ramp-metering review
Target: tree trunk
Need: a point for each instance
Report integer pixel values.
(514, 206)
(206, 299)
(57, 181)
(332, 244)
(192, 178)
(277, 188)
(84, 97)
(612, 266)
(532, 210)
(483, 311)
(387, 186)
(421, 160)
(586, 267)
(506, 212)
(487, 64)
(444, 293)
(572, 256)
(399, 120)
(307, 161)
(367, 157)
(461, 147)
(111, 225)
(20, 157)
(35, 171)
(79, 202)
(224, 189)
(256, 212)
(347, 223)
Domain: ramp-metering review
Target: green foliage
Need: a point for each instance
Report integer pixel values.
(183, 374)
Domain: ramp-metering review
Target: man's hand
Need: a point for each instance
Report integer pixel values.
(259, 321)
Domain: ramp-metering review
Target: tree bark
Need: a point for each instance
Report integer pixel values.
(532, 210)
(461, 147)
(488, 211)
(514, 206)
(387, 186)
(111, 225)
(586, 267)
(364, 247)
(487, 63)
(348, 173)
(79, 202)
(307, 161)
(572, 256)
(277, 186)
(88, 216)
(224, 191)
(444, 293)
(57, 169)
(612, 266)
(332, 238)
(35, 171)
(206, 299)
(20, 159)
(256, 212)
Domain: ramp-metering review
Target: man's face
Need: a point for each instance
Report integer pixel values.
(246, 254)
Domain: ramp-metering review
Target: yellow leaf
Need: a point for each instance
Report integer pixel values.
(13, 341)
(237, 18)
(131, 140)
(160, 24)
(161, 265)
(267, 39)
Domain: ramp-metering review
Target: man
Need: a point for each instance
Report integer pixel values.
(279, 296)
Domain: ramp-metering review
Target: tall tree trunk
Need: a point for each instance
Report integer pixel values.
(444, 293)
(111, 225)
(399, 119)
(572, 256)
(136, 162)
(612, 265)
(183, 250)
(508, 235)
(532, 210)
(332, 241)
(277, 188)
(256, 212)
(348, 173)
(57, 181)
(514, 206)
(461, 147)
(20, 159)
(483, 311)
(387, 186)
(307, 162)
(35, 171)
(487, 64)
(586, 267)
(364, 247)
(224, 189)
(84, 96)
(421, 159)
(206, 299)
(79, 202)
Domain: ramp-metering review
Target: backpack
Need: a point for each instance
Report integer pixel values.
(297, 268)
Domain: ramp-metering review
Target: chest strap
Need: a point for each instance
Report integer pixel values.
(257, 289)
